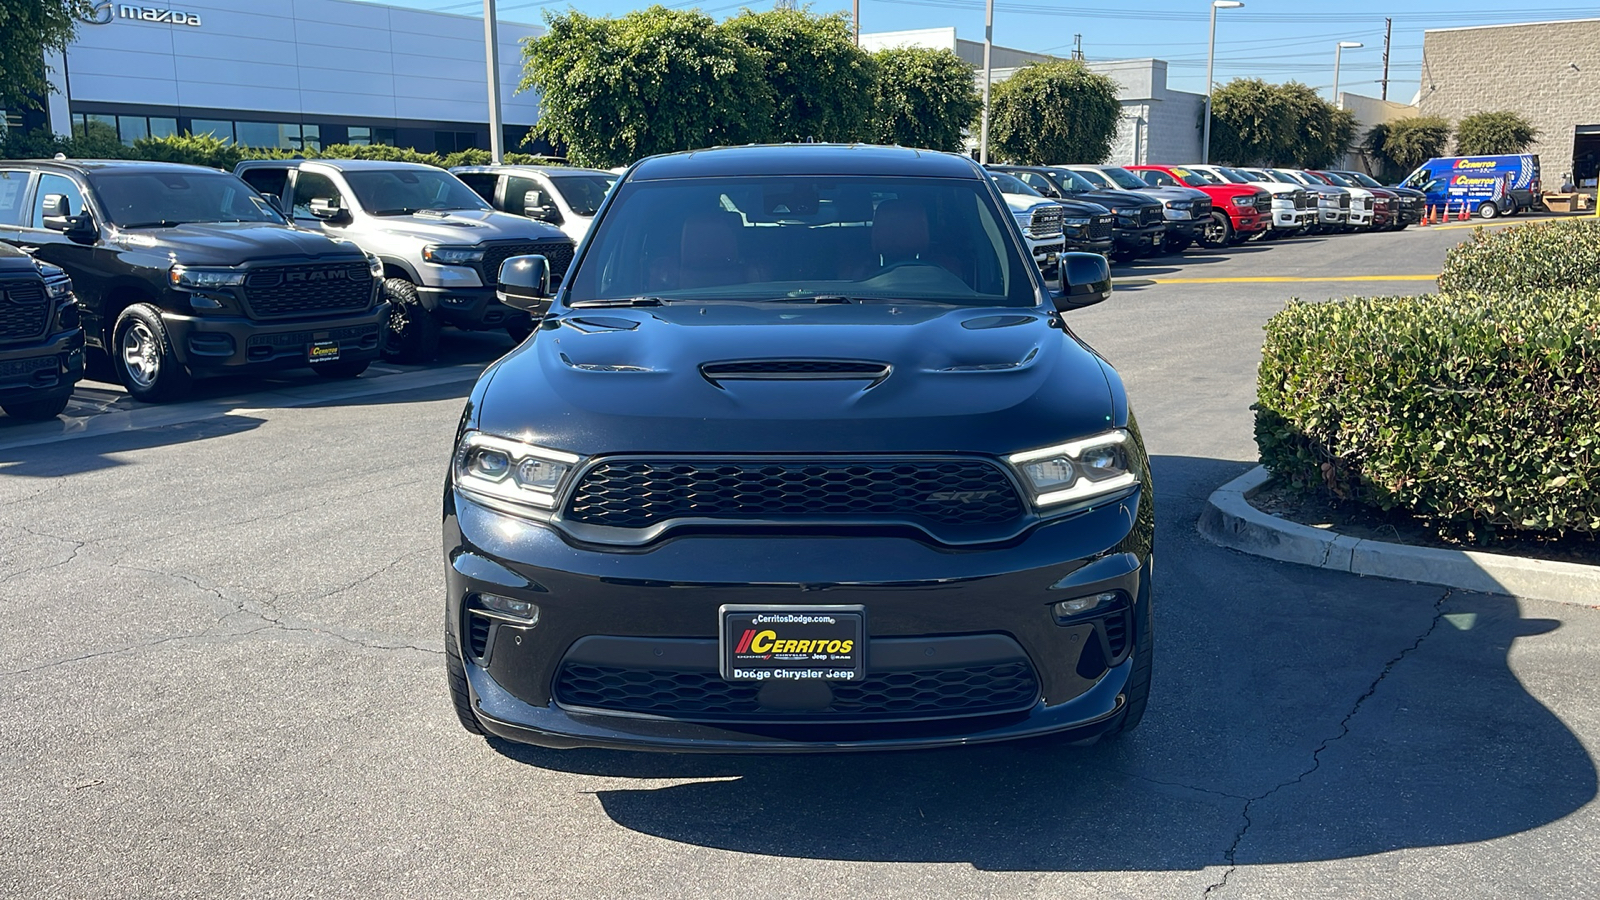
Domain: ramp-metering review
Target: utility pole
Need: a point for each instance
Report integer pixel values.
(1388, 32)
(988, 75)
(1077, 47)
(855, 19)
(497, 138)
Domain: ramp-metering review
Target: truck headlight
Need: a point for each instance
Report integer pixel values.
(58, 288)
(1077, 471)
(452, 256)
(375, 266)
(201, 279)
(504, 471)
(1242, 202)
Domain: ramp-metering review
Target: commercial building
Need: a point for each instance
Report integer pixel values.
(1158, 125)
(290, 73)
(1546, 71)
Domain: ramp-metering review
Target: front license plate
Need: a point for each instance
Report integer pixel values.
(790, 643)
(323, 351)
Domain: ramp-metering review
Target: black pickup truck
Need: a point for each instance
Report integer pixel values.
(41, 340)
(185, 272)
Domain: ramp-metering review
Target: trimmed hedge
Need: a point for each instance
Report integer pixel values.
(1557, 255)
(1471, 413)
(206, 150)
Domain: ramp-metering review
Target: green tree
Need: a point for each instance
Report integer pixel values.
(27, 29)
(1399, 147)
(821, 82)
(1493, 133)
(1053, 113)
(1321, 132)
(652, 81)
(924, 98)
(1257, 123)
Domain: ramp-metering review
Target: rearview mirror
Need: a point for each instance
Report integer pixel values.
(525, 284)
(327, 209)
(534, 207)
(1084, 279)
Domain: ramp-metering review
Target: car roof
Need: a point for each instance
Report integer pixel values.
(107, 165)
(805, 159)
(340, 165)
(543, 170)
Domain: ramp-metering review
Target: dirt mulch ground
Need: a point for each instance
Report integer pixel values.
(1324, 511)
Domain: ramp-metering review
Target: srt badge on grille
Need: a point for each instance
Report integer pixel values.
(961, 496)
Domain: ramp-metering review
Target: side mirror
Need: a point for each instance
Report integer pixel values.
(327, 209)
(534, 207)
(57, 206)
(273, 200)
(1084, 279)
(525, 284)
(58, 216)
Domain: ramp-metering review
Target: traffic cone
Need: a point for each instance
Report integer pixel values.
(1427, 218)
(1464, 217)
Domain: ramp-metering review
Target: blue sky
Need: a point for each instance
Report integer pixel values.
(1277, 40)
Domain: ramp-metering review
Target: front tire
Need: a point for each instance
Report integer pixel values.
(456, 676)
(37, 410)
(413, 332)
(1487, 210)
(143, 356)
(1219, 232)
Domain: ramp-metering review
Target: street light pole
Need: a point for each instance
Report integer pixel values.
(1211, 55)
(988, 74)
(1337, 52)
(492, 47)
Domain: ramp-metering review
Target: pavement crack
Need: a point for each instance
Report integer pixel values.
(1179, 784)
(77, 547)
(1316, 755)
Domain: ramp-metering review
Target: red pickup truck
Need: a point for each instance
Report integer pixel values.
(1238, 211)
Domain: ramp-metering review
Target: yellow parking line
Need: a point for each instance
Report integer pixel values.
(1280, 279)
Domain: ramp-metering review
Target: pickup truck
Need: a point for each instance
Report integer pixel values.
(1238, 212)
(184, 272)
(1293, 207)
(1187, 211)
(564, 197)
(41, 338)
(1139, 227)
(1041, 220)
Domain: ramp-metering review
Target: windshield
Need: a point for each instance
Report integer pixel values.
(1011, 184)
(1335, 179)
(399, 192)
(1362, 179)
(1125, 179)
(1233, 175)
(1069, 181)
(1290, 177)
(1194, 179)
(1095, 178)
(583, 193)
(155, 199)
(804, 238)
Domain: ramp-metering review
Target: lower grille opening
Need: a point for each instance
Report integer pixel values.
(478, 634)
(1116, 629)
(703, 695)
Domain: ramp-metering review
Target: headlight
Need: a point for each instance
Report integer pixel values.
(1244, 201)
(1076, 471)
(1080, 223)
(1180, 204)
(497, 469)
(195, 279)
(375, 266)
(452, 256)
(58, 288)
(1024, 219)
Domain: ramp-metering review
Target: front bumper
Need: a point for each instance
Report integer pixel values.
(41, 371)
(1139, 240)
(1251, 221)
(920, 601)
(472, 309)
(218, 345)
(1330, 215)
(1289, 218)
(1360, 218)
(1102, 246)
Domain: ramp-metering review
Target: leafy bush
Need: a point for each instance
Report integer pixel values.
(1472, 413)
(924, 97)
(1399, 147)
(1534, 257)
(1054, 113)
(1494, 133)
(208, 150)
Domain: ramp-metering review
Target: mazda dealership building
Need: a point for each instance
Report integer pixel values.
(288, 73)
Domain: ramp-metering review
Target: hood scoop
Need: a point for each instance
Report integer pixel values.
(794, 370)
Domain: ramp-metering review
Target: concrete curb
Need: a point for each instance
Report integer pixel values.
(1230, 521)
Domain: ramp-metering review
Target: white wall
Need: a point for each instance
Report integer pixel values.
(318, 57)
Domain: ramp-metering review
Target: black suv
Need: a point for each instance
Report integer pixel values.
(41, 341)
(802, 457)
(1140, 228)
(184, 271)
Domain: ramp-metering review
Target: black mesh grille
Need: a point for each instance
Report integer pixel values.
(791, 368)
(1100, 228)
(24, 314)
(972, 690)
(1116, 627)
(558, 252)
(1151, 215)
(478, 635)
(276, 292)
(1344, 201)
(1263, 203)
(641, 493)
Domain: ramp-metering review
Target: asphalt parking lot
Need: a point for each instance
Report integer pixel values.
(222, 676)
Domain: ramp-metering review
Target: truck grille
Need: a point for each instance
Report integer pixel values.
(923, 693)
(1046, 222)
(1344, 201)
(639, 493)
(1100, 227)
(558, 251)
(1302, 200)
(1264, 203)
(277, 292)
(1151, 215)
(24, 311)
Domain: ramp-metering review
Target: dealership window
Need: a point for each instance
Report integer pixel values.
(218, 128)
(131, 128)
(163, 127)
(310, 138)
(364, 136)
(451, 141)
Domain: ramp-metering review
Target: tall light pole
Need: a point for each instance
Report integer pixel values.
(988, 74)
(1211, 55)
(1337, 52)
(491, 43)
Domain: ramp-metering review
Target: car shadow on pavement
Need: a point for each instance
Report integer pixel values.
(1297, 715)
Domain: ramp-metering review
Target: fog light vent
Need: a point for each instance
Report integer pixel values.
(523, 612)
(1080, 606)
(478, 635)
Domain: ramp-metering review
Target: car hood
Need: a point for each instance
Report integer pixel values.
(467, 226)
(989, 380)
(1021, 203)
(233, 243)
(1116, 199)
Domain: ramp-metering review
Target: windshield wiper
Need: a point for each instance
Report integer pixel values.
(626, 301)
(161, 223)
(818, 298)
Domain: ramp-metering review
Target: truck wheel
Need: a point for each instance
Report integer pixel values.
(1219, 231)
(343, 368)
(141, 352)
(456, 676)
(413, 332)
(1488, 210)
(37, 410)
(1138, 694)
